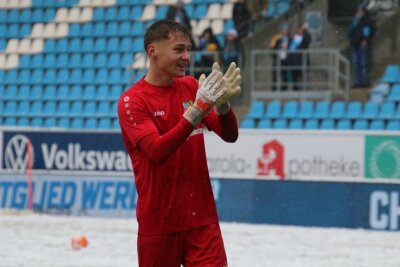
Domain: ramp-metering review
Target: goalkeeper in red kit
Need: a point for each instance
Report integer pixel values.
(162, 118)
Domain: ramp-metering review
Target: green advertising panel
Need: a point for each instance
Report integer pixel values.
(382, 157)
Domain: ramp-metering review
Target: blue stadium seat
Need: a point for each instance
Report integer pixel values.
(10, 121)
(37, 122)
(24, 60)
(61, 45)
(387, 110)
(99, 14)
(379, 92)
(37, 93)
(136, 11)
(11, 76)
(101, 76)
(88, 76)
(100, 44)
(327, 124)
(123, 13)
(273, 109)
(76, 76)
(200, 11)
(62, 92)
(75, 92)
(90, 123)
(111, 14)
(256, 110)
(391, 74)
(296, 124)
(102, 92)
(394, 94)
(103, 109)
(64, 123)
(50, 76)
(10, 108)
(113, 60)
(49, 108)
(115, 76)
(63, 108)
(137, 45)
(321, 110)
(89, 92)
(370, 110)
(49, 92)
(88, 60)
(50, 45)
(23, 121)
(115, 92)
(104, 123)
(86, 29)
(24, 92)
(49, 60)
(126, 44)
(87, 45)
(100, 60)
(62, 60)
(248, 124)
(99, 29)
(23, 108)
(360, 124)
(338, 110)
(10, 92)
(77, 123)
(344, 124)
(161, 12)
(111, 29)
(49, 122)
(264, 124)
(280, 124)
(74, 30)
(89, 108)
(1, 91)
(393, 125)
(377, 125)
(75, 45)
(306, 110)
(290, 110)
(63, 76)
(124, 28)
(36, 108)
(76, 109)
(311, 124)
(354, 110)
(75, 61)
(115, 124)
(113, 45)
(23, 76)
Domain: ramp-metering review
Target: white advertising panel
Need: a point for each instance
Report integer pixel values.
(299, 155)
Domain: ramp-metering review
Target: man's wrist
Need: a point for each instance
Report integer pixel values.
(222, 109)
(193, 115)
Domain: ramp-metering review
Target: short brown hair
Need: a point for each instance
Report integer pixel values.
(162, 29)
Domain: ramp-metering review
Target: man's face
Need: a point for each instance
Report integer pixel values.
(172, 56)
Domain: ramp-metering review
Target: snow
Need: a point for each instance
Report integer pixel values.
(37, 240)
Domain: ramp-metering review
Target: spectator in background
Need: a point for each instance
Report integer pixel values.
(360, 37)
(241, 18)
(178, 13)
(256, 8)
(280, 43)
(300, 41)
(231, 48)
(209, 48)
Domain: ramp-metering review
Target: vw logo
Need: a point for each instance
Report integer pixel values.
(16, 153)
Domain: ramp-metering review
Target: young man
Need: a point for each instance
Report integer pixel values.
(161, 119)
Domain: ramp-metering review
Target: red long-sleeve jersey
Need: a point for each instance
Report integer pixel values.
(168, 155)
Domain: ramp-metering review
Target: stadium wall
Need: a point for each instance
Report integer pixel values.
(306, 178)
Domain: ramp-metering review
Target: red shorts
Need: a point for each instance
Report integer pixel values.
(197, 247)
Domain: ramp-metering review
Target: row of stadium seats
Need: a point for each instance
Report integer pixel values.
(324, 110)
(62, 92)
(51, 108)
(324, 124)
(65, 76)
(73, 123)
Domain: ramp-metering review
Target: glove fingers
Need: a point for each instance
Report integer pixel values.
(230, 70)
(233, 75)
(201, 79)
(215, 66)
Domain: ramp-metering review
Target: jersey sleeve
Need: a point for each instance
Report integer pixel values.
(140, 130)
(225, 126)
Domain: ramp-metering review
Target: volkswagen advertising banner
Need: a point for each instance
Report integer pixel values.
(276, 177)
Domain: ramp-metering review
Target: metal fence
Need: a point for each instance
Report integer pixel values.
(303, 74)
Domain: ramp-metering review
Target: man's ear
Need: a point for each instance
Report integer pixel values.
(151, 50)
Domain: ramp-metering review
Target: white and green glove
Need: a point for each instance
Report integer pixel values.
(210, 90)
(232, 80)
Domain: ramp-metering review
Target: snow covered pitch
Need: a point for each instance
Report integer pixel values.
(33, 240)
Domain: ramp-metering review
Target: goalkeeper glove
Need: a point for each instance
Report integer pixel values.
(210, 90)
(232, 79)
